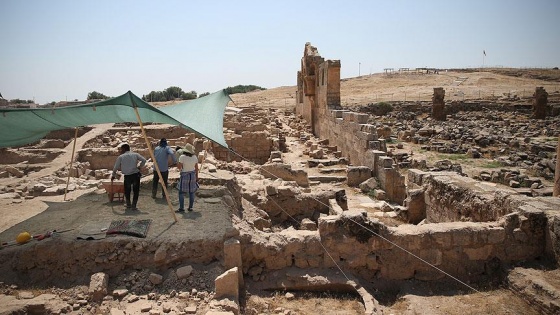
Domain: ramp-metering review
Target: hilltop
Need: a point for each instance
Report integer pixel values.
(490, 84)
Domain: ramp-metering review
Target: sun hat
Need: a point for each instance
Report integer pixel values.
(189, 148)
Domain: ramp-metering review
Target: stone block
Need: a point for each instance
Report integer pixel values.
(307, 224)
(271, 190)
(479, 253)
(495, 235)
(380, 194)
(184, 272)
(288, 191)
(334, 207)
(98, 286)
(232, 253)
(369, 185)
(362, 135)
(275, 262)
(285, 172)
(155, 278)
(227, 285)
(416, 206)
(317, 154)
(275, 155)
(385, 162)
(348, 116)
(361, 118)
(357, 175)
(416, 176)
(337, 113)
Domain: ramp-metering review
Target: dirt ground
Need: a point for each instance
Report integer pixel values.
(91, 210)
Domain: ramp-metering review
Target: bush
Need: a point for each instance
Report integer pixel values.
(242, 89)
(385, 107)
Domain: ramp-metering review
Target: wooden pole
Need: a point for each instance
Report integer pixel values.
(155, 162)
(71, 161)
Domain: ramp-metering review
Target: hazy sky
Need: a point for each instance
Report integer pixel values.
(55, 50)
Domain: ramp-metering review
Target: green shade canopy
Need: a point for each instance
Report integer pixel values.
(204, 116)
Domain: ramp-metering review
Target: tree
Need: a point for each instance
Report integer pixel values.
(18, 101)
(204, 94)
(243, 89)
(96, 96)
(173, 92)
(189, 96)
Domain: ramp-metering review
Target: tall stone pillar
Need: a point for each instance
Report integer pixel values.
(438, 104)
(540, 103)
(556, 192)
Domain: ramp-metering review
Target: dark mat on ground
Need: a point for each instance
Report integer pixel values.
(92, 231)
(138, 228)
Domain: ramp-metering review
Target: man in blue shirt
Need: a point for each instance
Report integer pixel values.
(127, 162)
(162, 153)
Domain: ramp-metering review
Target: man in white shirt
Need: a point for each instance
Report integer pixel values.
(127, 163)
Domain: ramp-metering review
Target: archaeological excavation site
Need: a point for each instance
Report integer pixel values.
(425, 191)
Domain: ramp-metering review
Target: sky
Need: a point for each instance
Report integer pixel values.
(63, 49)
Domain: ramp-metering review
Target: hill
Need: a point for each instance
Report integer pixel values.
(490, 84)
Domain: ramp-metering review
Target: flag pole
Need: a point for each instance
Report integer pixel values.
(71, 161)
(153, 159)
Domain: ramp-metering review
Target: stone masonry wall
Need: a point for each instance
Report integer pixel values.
(63, 261)
(450, 197)
(358, 141)
(254, 146)
(515, 228)
(463, 249)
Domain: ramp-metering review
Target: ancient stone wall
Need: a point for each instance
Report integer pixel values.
(318, 87)
(319, 103)
(67, 134)
(327, 95)
(450, 197)
(359, 142)
(463, 249)
(66, 261)
(31, 156)
(253, 146)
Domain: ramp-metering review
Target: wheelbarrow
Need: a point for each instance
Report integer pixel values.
(114, 189)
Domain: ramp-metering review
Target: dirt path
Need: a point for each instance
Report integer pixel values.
(63, 159)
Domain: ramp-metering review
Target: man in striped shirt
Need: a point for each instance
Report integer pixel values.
(127, 163)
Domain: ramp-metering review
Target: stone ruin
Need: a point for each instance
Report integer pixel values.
(293, 223)
(540, 103)
(438, 107)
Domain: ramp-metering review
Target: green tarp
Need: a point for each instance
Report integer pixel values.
(204, 116)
